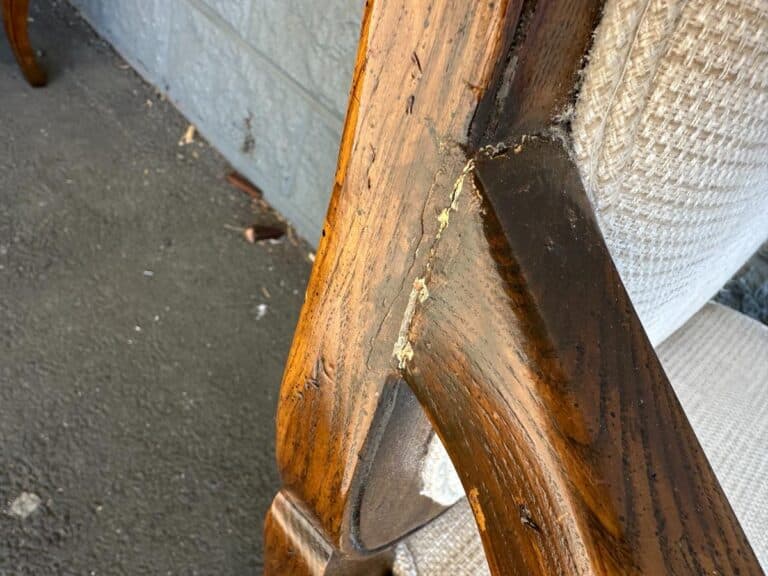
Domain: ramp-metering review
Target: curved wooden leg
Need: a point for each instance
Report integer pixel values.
(337, 399)
(15, 21)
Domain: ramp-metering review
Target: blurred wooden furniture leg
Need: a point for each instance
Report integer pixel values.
(15, 13)
(297, 548)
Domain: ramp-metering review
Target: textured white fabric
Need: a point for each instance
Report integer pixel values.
(439, 481)
(671, 138)
(718, 366)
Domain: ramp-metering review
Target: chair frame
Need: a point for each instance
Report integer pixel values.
(15, 17)
(461, 265)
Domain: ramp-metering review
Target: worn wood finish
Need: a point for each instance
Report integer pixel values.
(15, 14)
(574, 452)
(535, 83)
(459, 253)
(421, 68)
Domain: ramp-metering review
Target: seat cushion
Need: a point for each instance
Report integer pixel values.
(718, 366)
(670, 135)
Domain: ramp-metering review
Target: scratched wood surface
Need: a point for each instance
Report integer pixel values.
(574, 452)
(525, 351)
(15, 14)
(420, 71)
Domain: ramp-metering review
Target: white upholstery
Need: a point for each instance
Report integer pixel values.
(718, 366)
(671, 138)
(448, 545)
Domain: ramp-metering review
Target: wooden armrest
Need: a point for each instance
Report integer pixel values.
(460, 255)
(574, 451)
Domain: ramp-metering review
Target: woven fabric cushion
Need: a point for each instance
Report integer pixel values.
(718, 366)
(671, 138)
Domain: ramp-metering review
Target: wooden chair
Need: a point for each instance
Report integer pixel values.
(15, 15)
(463, 286)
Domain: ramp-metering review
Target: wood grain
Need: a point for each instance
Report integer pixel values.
(15, 14)
(536, 82)
(415, 90)
(537, 374)
(460, 254)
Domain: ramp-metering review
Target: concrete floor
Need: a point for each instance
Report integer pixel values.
(138, 377)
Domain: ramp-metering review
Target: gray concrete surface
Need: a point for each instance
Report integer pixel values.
(265, 80)
(138, 377)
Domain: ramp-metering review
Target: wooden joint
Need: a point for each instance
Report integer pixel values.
(294, 546)
(533, 366)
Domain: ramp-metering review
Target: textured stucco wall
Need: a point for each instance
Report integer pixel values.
(265, 81)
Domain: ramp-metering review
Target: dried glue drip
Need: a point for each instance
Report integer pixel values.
(445, 215)
(403, 350)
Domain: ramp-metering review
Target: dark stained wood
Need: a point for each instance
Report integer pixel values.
(391, 503)
(15, 13)
(535, 370)
(536, 83)
(460, 254)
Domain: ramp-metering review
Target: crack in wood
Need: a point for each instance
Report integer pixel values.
(403, 349)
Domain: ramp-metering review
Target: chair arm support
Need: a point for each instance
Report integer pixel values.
(532, 365)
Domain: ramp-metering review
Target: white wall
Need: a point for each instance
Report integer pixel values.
(265, 81)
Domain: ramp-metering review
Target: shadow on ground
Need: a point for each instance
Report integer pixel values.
(138, 376)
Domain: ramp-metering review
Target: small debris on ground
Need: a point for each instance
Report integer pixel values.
(292, 238)
(311, 256)
(244, 185)
(189, 135)
(24, 505)
(148, 273)
(260, 233)
(261, 311)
